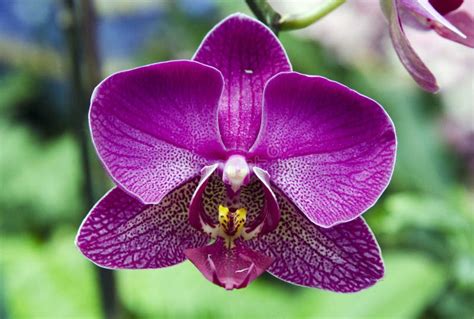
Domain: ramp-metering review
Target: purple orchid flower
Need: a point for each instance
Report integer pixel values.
(240, 165)
(442, 16)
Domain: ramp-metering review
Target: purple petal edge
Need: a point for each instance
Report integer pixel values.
(156, 126)
(464, 22)
(248, 54)
(410, 60)
(196, 206)
(345, 258)
(120, 232)
(327, 147)
(424, 9)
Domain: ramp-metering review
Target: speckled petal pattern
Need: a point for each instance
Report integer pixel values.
(270, 211)
(344, 258)
(229, 268)
(197, 210)
(328, 148)
(122, 233)
(156, 126)
(248, 54)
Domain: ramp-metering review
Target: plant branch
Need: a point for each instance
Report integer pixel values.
(264, 12)
(293, 22)
(79, 31)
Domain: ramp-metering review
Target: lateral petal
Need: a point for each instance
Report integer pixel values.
(122, 233)
(155, 127)
(344, 258)
(328, 148)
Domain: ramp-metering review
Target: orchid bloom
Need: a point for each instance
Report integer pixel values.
(240, 165)
(443, 16)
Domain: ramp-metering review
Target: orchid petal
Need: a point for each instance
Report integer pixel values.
(344, 258)
(232, 268)
(445, 6)
(198, 211)
(122, 233)
(271, 212)
(464, 22)
(412, 62)
(156, 126)
(328, 148)
(426, 10)
(248, 54)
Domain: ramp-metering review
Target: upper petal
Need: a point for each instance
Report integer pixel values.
(232, 268)
(248, 54)
(328, 148)
(121, 232)
(156, 126)
(410, 60)
(344, 258)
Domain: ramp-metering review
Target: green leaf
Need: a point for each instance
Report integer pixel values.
(48, 281)
(410, 284)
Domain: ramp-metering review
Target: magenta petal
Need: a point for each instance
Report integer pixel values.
(464, 22)
(328, 148)
(446, 6)
(410, 60)
(121, 232)
(271, 212)
(424, 9)
(197, 214)
(248, 54)
(229, 268)
(156, 126)
(344, 258)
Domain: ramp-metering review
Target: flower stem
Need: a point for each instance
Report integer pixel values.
(264, 12)
(293, 22)
(80, 36)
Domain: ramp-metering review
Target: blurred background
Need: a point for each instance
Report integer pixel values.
(52, 54)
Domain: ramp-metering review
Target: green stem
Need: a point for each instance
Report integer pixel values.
(264, 12)
(293, 22)
(80, 33)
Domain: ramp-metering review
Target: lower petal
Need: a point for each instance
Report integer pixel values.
(231, 268)
(344, 258)
(122, 233)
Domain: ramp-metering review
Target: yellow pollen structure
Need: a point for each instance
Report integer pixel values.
(231, 224)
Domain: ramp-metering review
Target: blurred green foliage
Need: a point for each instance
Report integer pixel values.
(424, 221)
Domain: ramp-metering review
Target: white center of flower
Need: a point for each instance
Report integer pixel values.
(236, 172)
